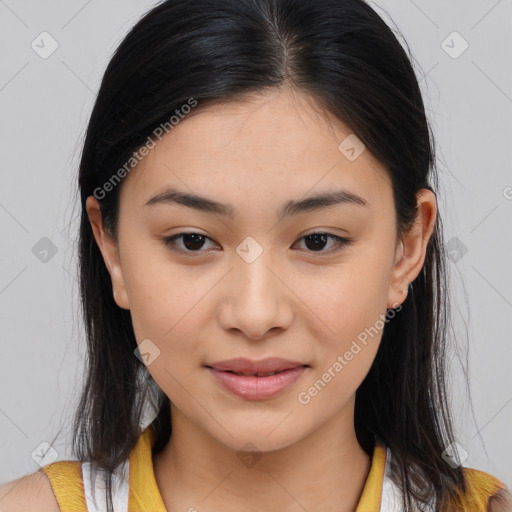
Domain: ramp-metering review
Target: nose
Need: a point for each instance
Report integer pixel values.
(256, 301)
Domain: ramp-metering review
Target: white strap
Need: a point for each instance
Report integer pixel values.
(392, 500)
(391, 496)
(120, 488)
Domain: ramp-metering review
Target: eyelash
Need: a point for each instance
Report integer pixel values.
(342, 242)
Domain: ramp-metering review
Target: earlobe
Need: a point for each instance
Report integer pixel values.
(399, 286)
(118, 285)
(110, 252)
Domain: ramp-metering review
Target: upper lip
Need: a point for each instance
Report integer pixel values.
(243, 365)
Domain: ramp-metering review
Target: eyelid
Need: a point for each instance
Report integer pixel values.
(341, 242)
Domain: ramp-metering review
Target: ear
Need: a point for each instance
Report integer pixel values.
(110, 251)
(411, 248)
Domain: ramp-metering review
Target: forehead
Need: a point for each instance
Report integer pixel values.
(268, 148)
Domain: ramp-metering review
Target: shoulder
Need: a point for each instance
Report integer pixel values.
(487, 492)
(29, 493)
(501, 502)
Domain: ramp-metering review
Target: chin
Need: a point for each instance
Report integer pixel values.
(254, 438)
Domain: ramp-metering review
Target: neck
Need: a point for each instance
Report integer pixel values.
(326, 470)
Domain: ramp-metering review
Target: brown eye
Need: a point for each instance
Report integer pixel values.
(192, 242)
(315, 242)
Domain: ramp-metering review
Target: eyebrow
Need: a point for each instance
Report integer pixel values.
(316, 202)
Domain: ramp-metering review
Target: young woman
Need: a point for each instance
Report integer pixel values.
(262, 274)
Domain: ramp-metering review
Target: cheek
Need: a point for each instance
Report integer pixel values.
(166, 310)
(158, 291)
(349, 306)
(167, 307)
(347, 339)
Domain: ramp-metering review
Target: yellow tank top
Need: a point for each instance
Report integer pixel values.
(138, 491)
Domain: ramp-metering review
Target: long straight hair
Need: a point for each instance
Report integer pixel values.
(344, 55)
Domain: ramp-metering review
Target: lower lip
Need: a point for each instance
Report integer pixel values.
(257, 388)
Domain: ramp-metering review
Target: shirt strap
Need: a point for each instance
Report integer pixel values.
(372, 492)
(67, 485)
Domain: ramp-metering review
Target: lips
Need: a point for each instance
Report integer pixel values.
(246, 374)
(254, 387)
(256, 380)
(248, 367)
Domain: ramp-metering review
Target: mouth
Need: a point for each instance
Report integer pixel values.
(257, 385)
(262, 368)
(245, 374)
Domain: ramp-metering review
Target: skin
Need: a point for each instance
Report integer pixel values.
(293, 301)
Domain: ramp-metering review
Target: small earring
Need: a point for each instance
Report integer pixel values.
(406, 290)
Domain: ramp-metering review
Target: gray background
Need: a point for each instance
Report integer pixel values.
(45, 104)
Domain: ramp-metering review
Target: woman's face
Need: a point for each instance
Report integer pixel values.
(254, 285)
